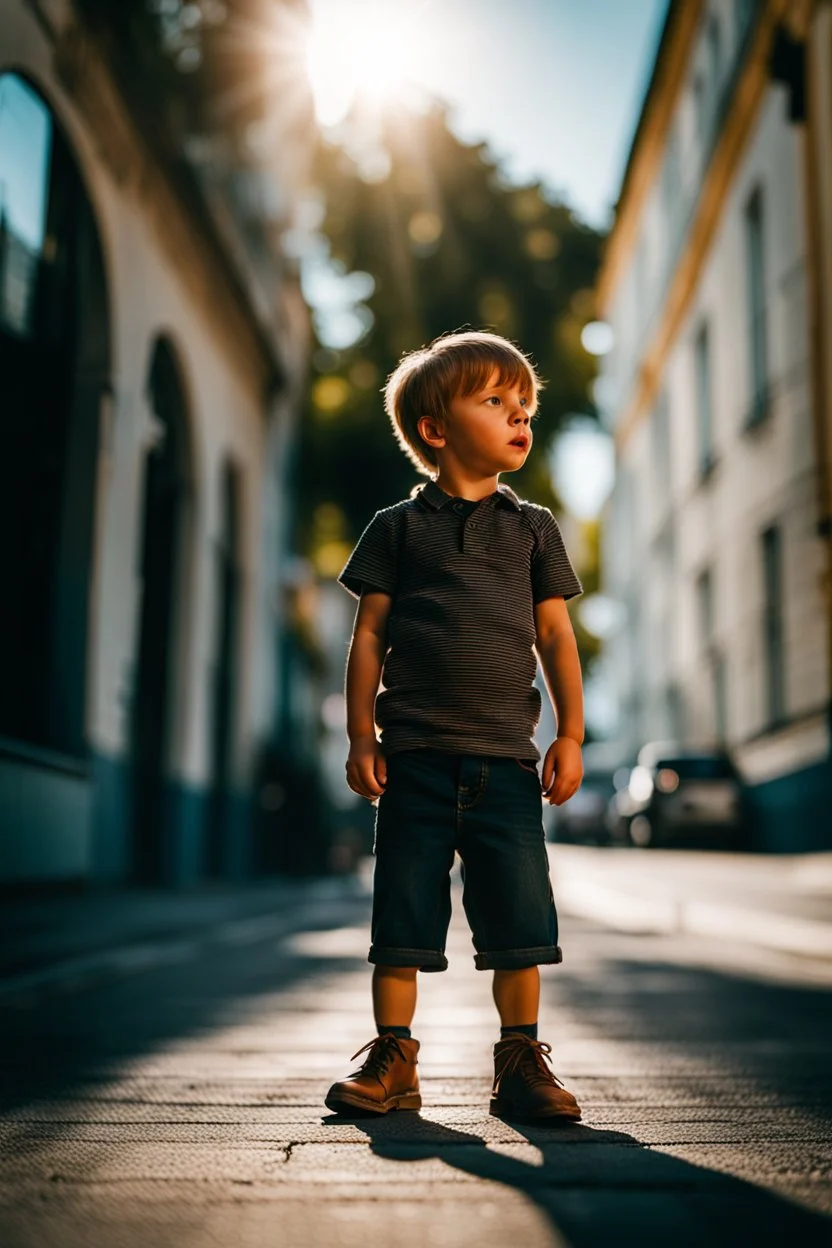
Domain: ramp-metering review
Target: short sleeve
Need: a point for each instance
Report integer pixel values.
(372, 563)
(552, 573)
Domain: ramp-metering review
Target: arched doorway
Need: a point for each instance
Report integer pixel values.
(166, 489)
(54, 372)
(221, 858)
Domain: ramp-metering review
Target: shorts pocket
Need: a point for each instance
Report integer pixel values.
(527, 764)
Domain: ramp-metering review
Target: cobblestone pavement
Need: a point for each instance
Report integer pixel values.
(182, 1104)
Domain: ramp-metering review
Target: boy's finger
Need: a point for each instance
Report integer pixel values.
(368, 780)
(381, 769)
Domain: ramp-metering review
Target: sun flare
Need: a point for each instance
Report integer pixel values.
(361, 50)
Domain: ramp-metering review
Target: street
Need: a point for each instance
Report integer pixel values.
(181, 1104)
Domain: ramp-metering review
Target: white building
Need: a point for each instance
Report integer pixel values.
(713, 537)
(152, 351)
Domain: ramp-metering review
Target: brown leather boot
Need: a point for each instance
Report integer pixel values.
(524, 1087)
(387, 1080)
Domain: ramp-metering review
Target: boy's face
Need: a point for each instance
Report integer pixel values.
(488, 431)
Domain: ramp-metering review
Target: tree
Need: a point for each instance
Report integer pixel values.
(447, 242)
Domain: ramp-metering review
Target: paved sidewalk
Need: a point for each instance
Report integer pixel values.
(62, 941)
(183, 1107)
(780, 902)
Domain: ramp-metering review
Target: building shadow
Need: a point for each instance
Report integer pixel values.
(602, 1188)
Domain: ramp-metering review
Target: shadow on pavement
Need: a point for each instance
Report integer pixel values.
(68, 1043)
(601, 1188)
(596, 1187)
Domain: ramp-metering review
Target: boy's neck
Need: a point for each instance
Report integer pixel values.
(459, 486)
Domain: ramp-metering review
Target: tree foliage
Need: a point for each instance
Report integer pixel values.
(449, 243)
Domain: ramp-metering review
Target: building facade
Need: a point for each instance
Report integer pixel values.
(717, 532)
(152, 354)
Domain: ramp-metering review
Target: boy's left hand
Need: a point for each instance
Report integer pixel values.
(563, 771)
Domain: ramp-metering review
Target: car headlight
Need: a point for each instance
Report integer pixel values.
(641, 784)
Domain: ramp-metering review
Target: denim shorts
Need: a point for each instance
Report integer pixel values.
(488, 810)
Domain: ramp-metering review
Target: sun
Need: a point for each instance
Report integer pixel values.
(368, 50)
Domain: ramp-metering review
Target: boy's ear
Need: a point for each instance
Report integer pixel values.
(430, 430)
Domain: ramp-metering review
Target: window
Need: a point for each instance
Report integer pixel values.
(756, 306)
(671, 172)
(713, 53)
(708, 79)
(743, 13)
(675, 710)
(720, 693)
(773, 656)
(671, 198)
(699, 766)
(641, 285)
(53, 337)
(702, 356)
(700, 104)
(661, 444)
(25, 150)
(712, 658)
(705, 607)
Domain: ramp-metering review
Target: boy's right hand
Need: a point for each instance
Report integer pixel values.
(366, 768)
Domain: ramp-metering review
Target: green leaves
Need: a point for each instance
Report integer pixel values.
(449, 244)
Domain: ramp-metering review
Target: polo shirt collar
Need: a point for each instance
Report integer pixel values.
(437, 498)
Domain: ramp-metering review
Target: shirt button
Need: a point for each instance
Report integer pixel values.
(457, 506)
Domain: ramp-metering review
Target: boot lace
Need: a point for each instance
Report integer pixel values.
(534, 1054)
(380, 1053)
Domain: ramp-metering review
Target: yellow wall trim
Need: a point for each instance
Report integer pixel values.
(719, 177)
(649, 145)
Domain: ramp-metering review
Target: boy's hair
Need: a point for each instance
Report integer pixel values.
(454, 365)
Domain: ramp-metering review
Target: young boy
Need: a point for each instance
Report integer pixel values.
(458, 585)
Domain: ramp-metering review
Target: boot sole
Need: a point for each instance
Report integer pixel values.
(342, 1104)
(508, 1110)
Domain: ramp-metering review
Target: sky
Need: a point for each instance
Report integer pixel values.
(553, 86)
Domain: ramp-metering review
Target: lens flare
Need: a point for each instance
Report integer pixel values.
(364, 51)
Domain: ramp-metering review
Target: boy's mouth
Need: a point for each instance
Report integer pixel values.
(521, 440)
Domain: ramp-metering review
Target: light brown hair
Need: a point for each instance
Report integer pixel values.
(453, 366)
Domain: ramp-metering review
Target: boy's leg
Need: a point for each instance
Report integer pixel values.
(517, 998)
(394, 998)
(387, 1079)
(414, 851)
(509, 902)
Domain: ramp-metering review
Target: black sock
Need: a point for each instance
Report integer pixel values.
(401, 1033)
(525, 1029)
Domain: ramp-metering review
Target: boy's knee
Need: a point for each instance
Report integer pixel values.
(396, 972)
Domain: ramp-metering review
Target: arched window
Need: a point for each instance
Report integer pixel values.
(162, 566)
(53, 371)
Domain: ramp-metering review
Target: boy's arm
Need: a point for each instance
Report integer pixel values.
(366, 766)
(558, 652)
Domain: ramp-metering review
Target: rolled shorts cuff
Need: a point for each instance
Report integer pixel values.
(515, 959)
(423, 959)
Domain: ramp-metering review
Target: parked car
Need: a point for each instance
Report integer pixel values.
(680, 795)
(582, 820)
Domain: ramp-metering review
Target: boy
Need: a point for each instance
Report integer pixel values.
(457, 585)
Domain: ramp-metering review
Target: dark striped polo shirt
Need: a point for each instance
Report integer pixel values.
(464, 577)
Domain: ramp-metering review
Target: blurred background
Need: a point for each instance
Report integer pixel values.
(222, 222)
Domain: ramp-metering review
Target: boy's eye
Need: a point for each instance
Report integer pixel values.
(495, 398)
